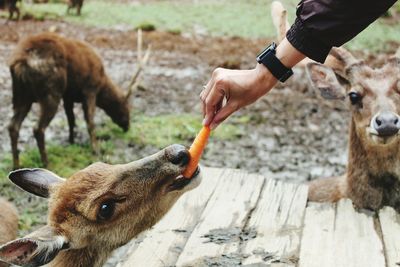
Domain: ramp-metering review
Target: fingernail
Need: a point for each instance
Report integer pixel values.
(204, 121)
(213, 126)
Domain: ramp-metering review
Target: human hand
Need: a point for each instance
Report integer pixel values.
(230, 90)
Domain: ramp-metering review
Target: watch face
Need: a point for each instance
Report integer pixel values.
(269, 49)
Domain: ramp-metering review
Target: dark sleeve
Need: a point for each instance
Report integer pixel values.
(322, 24)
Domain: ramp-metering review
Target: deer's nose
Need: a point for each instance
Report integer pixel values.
(386, 124)
(178, 155)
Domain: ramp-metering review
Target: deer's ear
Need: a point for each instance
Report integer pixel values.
(35, 181)
(36, 249)
(324, 79)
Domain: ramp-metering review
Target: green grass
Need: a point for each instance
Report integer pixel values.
(241, 18)
(375, 37)
(231, 18)
(64, 160)
(161, 131)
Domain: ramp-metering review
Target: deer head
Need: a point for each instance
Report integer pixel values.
(373, 95)
(100, 207)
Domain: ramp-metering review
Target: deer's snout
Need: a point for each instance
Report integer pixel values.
(386, 123)
(178, 155)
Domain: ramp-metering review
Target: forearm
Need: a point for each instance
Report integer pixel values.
(288, 54)
(322, 24)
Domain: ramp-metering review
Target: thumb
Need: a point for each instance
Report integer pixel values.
(223, 114)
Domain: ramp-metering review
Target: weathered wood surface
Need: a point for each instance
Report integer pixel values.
(235, 218)
(390, 225)
(278, 221)
(223, 220)
(163, 245)
(339, 236)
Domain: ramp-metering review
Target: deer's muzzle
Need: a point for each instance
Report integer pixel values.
(177, 155)
(386, 124)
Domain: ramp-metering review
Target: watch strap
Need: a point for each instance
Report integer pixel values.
(273, 64)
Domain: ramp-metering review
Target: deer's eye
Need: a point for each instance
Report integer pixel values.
(106, 210)
(355, 98)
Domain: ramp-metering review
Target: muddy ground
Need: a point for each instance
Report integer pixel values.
(291, 134)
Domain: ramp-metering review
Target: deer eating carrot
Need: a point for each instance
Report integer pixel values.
(97, 209)
(196, 150)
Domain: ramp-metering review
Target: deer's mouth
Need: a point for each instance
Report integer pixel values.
(381, 139)
(181, 183)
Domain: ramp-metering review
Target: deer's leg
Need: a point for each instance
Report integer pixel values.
(48, 109)
(89, 108)
(330, 189)
(68, 8)
(20, 113)
(17, 11)
(10, 13)
(69, 111)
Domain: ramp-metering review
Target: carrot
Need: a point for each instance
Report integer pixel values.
(195, 151)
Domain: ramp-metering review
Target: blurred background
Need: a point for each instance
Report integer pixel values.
(290, 134)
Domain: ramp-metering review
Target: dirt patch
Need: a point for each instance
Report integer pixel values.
(228, 235)
(231, 259)
(237, 259)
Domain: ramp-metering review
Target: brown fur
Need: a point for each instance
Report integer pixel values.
(46, 68)
(75, 4)
(328, 189)
(8, 224)
(142, 191)
(372, 179)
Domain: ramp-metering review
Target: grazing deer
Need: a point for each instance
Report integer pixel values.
(46, 68)
(372, 179)
(99, 208)
(8, 224)
(11, 5)
(75, 4)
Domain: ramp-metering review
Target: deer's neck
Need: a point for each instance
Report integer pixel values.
(109, 96)
(87, 257)
(373, 173)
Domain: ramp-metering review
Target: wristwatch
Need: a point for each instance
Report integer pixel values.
(273, 64)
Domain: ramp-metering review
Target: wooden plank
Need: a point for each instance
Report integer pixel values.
(317, 241)
(340, 237)
(390, 225)
(163, 244)
(220, 227)
(277, 220)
